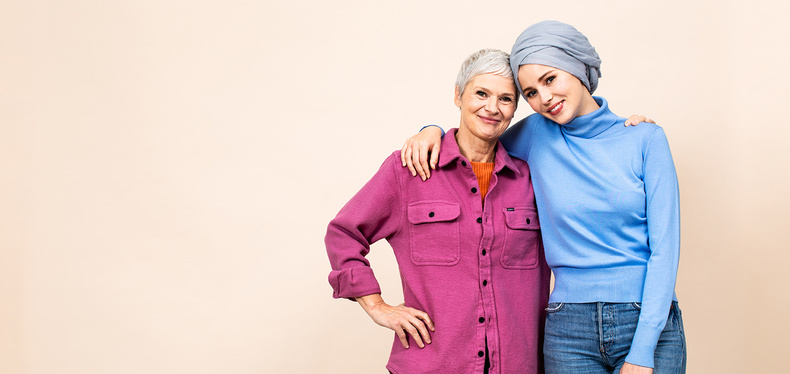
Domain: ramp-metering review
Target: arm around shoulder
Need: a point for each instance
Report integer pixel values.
(420, 153)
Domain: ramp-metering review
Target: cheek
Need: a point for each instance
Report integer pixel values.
(534, 103)
(509, 112)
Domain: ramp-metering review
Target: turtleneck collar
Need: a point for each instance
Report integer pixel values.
(592, 124)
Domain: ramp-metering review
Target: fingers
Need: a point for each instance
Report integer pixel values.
(424, 162)
(634, 120)
(406, 158)
(419, 323)
(415, 157)
(425, 318)
(403, 153)
(637, 119)
(402, 336)
(412, 322)
(422, 329)
(407, 324)
(434, 156)
(412, 327)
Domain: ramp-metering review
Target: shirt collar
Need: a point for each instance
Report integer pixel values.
(450, 153)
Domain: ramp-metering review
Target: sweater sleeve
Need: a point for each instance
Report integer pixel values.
(517, 139)
(663, 225)
(372, 214)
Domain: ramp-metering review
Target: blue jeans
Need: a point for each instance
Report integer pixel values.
(596, 338)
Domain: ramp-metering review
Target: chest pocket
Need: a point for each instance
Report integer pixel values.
(522, 238)
(434, 233)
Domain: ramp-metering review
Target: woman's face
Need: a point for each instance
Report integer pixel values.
(487, 105)
(554, 93)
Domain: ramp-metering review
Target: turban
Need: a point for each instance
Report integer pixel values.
(560, 46)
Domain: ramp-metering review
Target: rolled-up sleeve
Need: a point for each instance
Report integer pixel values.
(374, 213)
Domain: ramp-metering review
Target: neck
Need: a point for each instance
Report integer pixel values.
(588, 105)
(474, 148)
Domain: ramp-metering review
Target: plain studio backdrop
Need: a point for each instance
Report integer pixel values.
(168, 169)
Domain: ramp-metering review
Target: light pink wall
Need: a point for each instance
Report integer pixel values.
(168, 168)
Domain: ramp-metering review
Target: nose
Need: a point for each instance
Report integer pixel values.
(545, 95)
(491, 104)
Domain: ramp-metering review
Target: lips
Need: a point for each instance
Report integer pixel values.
(556, 108)
(488, 120)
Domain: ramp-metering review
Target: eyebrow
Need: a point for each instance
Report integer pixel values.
(489, 91)
(539, 79)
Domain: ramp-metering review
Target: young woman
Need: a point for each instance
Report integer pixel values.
(608, 200)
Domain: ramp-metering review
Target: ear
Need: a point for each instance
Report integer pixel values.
(457, 98)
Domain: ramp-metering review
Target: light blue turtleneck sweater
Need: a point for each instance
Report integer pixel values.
(608, 203)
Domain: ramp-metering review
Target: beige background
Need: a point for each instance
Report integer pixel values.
(168, 168)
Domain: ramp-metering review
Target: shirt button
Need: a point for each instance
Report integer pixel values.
(474, 190)
(485, 282)
(482, 319)
(484, 252)
(431, 214)
(463, 163)
(528, 221)
(481, 354)
(479, 219)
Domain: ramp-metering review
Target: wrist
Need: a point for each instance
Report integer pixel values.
(435, 126)
(370, 301)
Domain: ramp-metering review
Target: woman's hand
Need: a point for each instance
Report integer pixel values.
(400, 319)
(635, 369)
(634, 120)
(414, 153)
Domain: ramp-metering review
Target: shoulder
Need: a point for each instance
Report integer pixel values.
(519, 135)
(522, 166)
(527, 123)
(642, 133)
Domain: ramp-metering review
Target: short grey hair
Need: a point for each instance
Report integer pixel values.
(484, 61)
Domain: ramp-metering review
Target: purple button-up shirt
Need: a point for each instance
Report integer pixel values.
(477, 269)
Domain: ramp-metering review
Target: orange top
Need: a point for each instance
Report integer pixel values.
(483, 172)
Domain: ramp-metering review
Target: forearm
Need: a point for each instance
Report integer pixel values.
(372, 214)
(369, 302)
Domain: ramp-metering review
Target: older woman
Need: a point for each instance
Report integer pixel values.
(467, 242)
(608, 200)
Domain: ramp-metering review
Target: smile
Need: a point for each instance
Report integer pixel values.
(490, 121)
(556, 108)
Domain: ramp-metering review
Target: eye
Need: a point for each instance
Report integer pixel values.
(530, 94)
(481, 94)
(507, 99)
(549, 80)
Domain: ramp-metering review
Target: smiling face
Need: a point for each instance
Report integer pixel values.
(554, 93)
(487, 104)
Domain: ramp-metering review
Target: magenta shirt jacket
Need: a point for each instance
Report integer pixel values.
(477, 270)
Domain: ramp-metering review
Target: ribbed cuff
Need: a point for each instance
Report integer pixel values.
(643, 346)
(440, 128)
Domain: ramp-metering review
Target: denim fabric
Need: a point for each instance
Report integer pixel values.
(596, 338)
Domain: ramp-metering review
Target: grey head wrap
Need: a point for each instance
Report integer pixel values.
(560, 46)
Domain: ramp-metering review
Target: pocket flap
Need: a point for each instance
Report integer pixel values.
(433, 211)
(522, 218)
